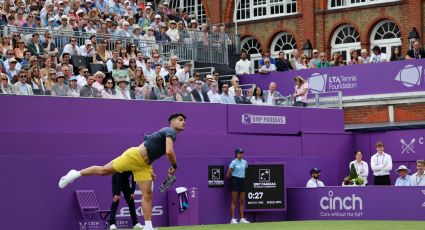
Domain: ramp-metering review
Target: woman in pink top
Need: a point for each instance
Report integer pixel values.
(301, 91)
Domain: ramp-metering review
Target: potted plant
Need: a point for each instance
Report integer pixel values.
(353, 179)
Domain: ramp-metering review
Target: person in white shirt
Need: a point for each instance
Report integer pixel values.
(418, 179)
(184, 74)
(243, 66)
(72, 48)
(381, 164)
(122, 91)
(235, 84)
(314, 181)
(98, 76)
(267, 67)
(82, 77)
(404, 178)
(173, 32)
(361, 166)
(213, 93)
(378, 56)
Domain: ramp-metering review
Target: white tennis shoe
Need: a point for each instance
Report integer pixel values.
(112, 227)
(243, 221)
(138, 226)
(68, 178)
(233, 221)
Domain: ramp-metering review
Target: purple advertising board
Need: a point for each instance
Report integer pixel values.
(356, 203)
(355, 80)
(44, 137)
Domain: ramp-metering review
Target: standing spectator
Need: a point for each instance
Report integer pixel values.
(262, 61)
(21, 87)
(396, 54)
(282, 64)
(88, 90)
(365, 57)
(381, 164)
(339, 60)
(304, 62)
(240, 98)
(272, 96)
(362, 169)
(418, 179)
(355, 59)
(198, 94)
(236, 173)
(314, 181)
(301, 91)
(213, 94)
(268, 67)
(257, 98)
(243, 66)
(323, 61)
(404, 178)
(226, 98)
(416, 52)
(378, 56)
(60, 89)
(296, 60)
(314, 60)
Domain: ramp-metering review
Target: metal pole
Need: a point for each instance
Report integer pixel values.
(234, 16)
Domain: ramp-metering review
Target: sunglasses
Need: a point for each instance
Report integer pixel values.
(52, 73)
(159, 80)
(175, 79)
(4, 79)
(23, 76)
(119, 63)
(109, 82)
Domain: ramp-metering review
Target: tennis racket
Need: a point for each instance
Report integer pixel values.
(167, 183)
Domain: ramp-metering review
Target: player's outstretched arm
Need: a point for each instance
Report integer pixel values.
(171, 155)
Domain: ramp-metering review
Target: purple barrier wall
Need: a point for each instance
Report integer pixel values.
(391, 77)
(43, 137)
(358, 203)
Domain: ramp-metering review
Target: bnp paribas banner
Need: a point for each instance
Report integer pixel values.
(355, 80)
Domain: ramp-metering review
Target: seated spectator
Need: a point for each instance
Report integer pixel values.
(282, 64)
(185, 93)
(173, 32)
(82, 77)
(416, 52)
(267, 67)
(240, 98)
(314, 181)
(98, 84)
(396, 54)
(50, 82)
(355, 59)
(123, 91)
(36, 48)
(304, 62)
(141, 85)
(192, 85)
(88, 90)
(155, 74)
(365, 57)
(60, 89)
(314, 60)
(362, 168)
(34, 79)
(324, 63)
(21, 87)
(64, 62)
(235, 84)
(198, 94)
(208, 81)
(162, 36)
(339, 60)
(132, 66)
(159, 90)
(301, 91)
(44, 72)
(20, 49)
(173, 62)
(25, 62)
(72, 48)
(243, 66)
(262, 61)
(184, 74)
(6, 44)
(226, 98)
(257, 98)
(378, 56)
(11, 71)
(87, 50)
(404, 177)
(173, 88)
(272, 96)
(418, 179)
(111, 63)
(6, 87)
(213, 94)
(73, 90)
(119, 72)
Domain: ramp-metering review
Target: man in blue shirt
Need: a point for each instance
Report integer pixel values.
(404, 178)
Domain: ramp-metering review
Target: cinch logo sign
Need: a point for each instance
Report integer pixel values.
(348, 203)
(410, 75)
(248, 119)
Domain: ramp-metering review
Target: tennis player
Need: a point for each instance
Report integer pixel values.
(139, 160)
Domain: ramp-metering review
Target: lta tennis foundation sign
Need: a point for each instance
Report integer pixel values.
(336, 206)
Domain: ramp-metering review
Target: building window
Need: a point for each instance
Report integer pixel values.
(260, 9)
(283, 42)
(345, 39)
(335, 4)
(193, 7)
(252, 47)
(386, 34)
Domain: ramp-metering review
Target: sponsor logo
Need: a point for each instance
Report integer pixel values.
(408, 147)
(215, 176)
(348, 203)
(264, 175)
(248, 119)
(410, 75)
(317, 82)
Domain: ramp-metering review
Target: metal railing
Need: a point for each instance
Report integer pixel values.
(193, 45)
(331, 99)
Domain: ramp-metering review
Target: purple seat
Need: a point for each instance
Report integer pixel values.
(89, 206)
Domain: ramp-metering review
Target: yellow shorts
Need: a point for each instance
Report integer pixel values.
(131, 160)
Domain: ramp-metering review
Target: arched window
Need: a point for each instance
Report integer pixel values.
(260, 9)
(345, 38)
(386, 34)
(252, 47)
(335, 4)
(193, 7)
(283, 42)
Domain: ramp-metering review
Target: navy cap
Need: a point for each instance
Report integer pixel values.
(314, 170)
(239, 150)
